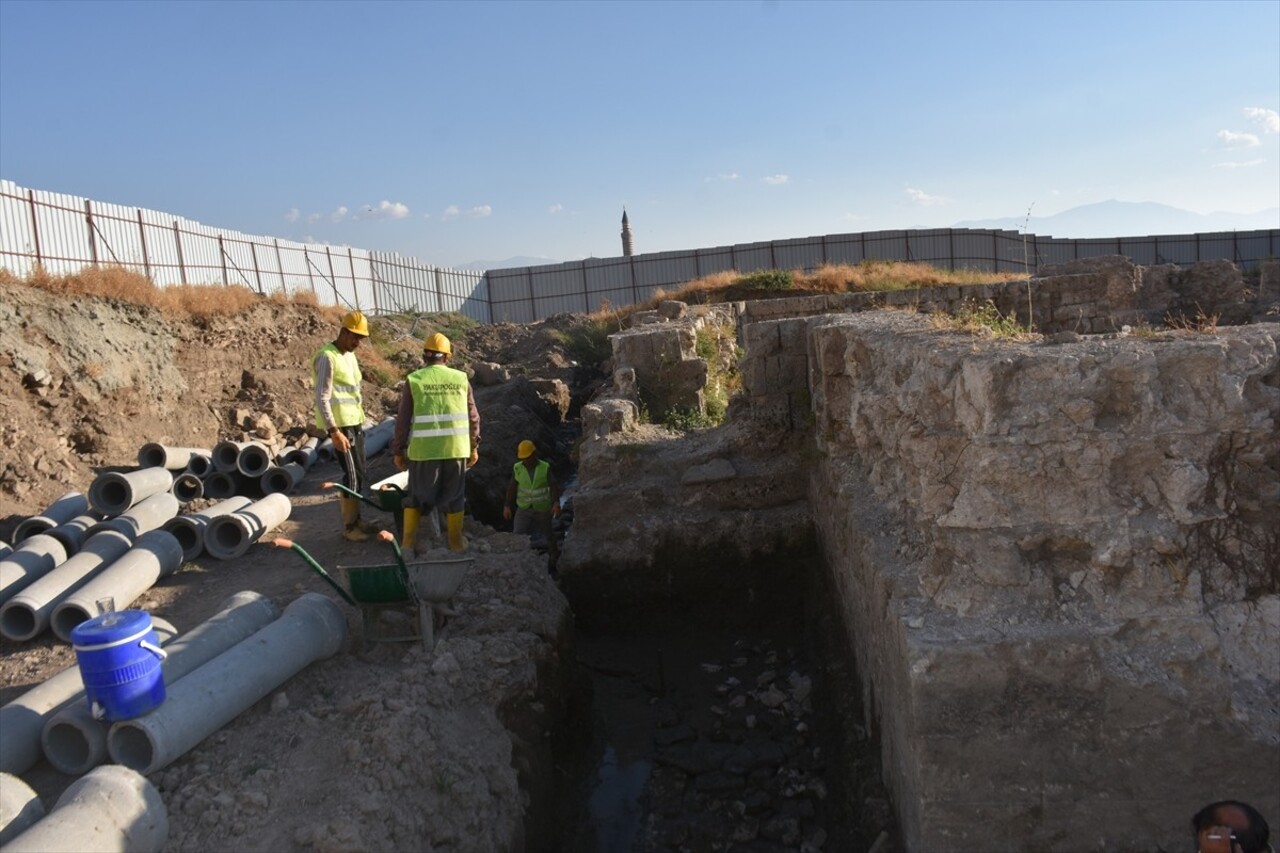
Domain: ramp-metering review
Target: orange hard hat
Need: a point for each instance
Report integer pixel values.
(526, 449)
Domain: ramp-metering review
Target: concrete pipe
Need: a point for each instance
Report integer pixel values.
(19, 807)
(254, 459)
(152, 455)
(226, 455)
(113, 493)
(60, 511)
(111, 809)
(311, 628)
(219, 485)
(187, 487)
(73, 533)
(143, 516)
(34, 558)
(74, 741)
(5, 550)
(26, 614)
(155, 554)
(189, 529)
(281, 479)
(200, 464)
(304, 454)
(22, 721)
(229, 536)
(324, 451)
(378, 438)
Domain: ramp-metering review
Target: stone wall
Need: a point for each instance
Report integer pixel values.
(1060, 566)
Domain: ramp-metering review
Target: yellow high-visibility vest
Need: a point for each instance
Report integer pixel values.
(440, 428)
(348, 410)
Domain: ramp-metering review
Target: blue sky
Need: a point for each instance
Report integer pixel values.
(461, 131)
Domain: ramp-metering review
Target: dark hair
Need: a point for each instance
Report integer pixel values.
(1251, 840)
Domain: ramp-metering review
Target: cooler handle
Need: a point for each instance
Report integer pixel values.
(154, 649)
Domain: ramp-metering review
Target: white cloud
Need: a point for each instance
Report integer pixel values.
(480, 210)
(923, 198)
(555, 208)
(292, 215)
(1232, 164)
(385, 210)
(1231, 139)
(450, 212)
(729, 176)
(339, 214)
(313, 218)
(1269, 119)
(777, 180)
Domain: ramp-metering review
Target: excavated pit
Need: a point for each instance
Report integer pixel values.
(726, 719)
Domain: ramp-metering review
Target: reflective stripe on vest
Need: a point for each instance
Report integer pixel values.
(532, 492)
(345, 397)
(440, 429)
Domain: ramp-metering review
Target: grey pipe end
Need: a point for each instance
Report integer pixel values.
(188, 487)
(254, 460)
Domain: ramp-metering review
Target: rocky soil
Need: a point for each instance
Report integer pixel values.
(383, 746)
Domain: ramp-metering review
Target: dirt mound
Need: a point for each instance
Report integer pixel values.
(384, 746)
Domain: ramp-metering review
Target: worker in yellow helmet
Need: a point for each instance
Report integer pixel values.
(336, 377)
(437, 439)
(533, 499)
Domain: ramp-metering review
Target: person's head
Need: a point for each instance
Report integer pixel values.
(436, 349)
(1246, 824)
(355, 328)
(527, 452)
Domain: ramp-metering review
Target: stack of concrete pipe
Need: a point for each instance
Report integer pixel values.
(113, 493)
(229, 536)
(203, 701)
(74, 742)
(111, 809)
(23, 720)
(19, 807)
(155, 554)
(378, 438)
(147, 514)
(189, 529)
(34, 558)
(303, 454)
(61, 511)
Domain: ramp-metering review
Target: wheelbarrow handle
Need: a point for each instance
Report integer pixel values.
(353, 494)
(315, 567)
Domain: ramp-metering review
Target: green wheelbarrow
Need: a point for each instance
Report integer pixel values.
(387, 495)
(427, 586)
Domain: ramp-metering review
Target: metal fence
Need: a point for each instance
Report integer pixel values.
(63, 233)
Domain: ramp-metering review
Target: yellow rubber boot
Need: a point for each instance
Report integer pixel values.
(457, 542)
(351, 520)
(409, 539)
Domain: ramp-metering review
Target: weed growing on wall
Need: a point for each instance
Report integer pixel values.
(984, 320)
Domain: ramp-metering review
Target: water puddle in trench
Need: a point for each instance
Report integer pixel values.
(723, 727)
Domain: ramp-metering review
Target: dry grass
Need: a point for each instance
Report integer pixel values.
(834, 278)
(174, 301)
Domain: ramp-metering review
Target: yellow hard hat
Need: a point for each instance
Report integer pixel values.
(356, 324)
(526, 449)
(438, 343)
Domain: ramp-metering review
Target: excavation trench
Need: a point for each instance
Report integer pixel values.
(722, 720)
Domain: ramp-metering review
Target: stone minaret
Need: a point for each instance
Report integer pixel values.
(628, 248)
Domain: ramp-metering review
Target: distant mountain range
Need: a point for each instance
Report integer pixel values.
(516, 261)
(1129, 219)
